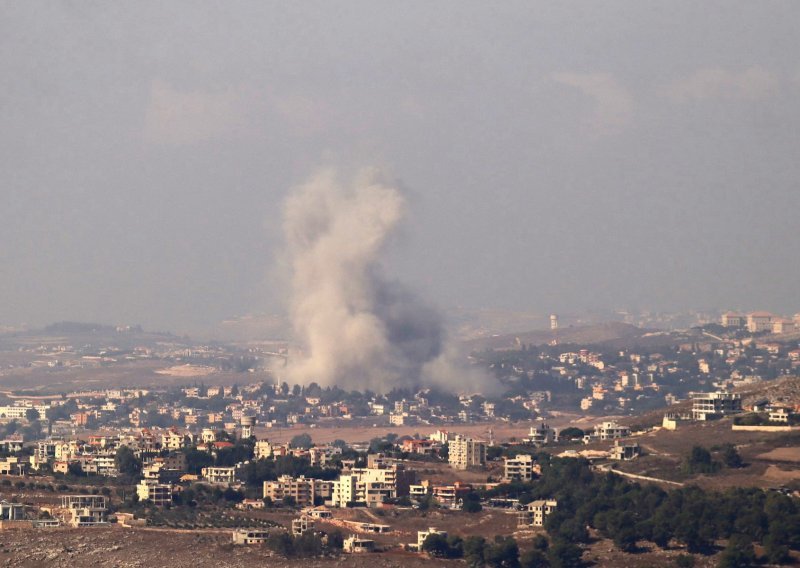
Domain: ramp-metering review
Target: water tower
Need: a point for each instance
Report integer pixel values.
(247, 426)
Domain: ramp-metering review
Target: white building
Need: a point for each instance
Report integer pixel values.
(711, 405)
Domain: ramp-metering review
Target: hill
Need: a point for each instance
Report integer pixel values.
(586, 335)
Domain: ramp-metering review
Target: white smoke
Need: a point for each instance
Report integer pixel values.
(358, 329)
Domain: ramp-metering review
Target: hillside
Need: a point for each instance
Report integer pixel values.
(588, 334)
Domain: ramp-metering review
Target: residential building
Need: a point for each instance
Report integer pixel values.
(535, 513)
(541, 434)
(220, 475)
(157, 493)
(712, 405)
(465, 452)
(611, 430)
(519, 468)
(624, 451)
(302, 490)
(250, 536)
(355, 545)
(422, 535)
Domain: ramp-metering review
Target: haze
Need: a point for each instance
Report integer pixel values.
(556, 156)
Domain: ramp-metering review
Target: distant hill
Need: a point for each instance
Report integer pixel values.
(586, 335)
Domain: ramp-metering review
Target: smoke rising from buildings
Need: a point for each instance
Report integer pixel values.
(358, 329)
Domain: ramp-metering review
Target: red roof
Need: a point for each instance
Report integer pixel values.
(220, 445)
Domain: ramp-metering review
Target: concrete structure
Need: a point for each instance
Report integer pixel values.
(250, 536)
(519, 468)
(541, 434)
(302, 490)
(422, 535)
(219, 475)
(465, 452)
(624, 451)
(159, 494)
(535, 513)
(712, 405)
(302, 524)
(356, 545)
(611, 431)
(732, 319)
(11, 511)
(85, 510)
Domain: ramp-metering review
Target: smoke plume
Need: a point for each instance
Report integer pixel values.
(358, 329)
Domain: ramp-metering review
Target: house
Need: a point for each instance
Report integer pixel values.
(779, 414)
(624, 451)
(611, 430)
(541, 434)
(732, 319)
(422, 535)
(451, 495)
(85, 510)
(219, 475)
(535, 513)
(355, 545)
(250, 536)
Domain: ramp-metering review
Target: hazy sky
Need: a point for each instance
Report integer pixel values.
(559, 156)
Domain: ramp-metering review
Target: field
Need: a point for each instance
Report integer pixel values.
(771, 459)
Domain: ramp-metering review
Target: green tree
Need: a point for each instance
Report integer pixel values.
(301, 441)
(473, 551)
(127, 463)
(436, 545)
(739, 553)
(731, 457)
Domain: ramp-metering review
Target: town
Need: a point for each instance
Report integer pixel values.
(307, 470)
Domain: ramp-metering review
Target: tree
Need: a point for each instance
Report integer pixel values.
(31, 415)
(436, 545)
(684, 561)
(534, 559)
(564, 554)
(301, 441)
(571, 433)
(739, 553)
(731, 457)
(127, 463)
(504, 553)
(473, 551)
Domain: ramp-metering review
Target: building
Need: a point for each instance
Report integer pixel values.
(519, 468)
(781, 325)
(85, 510)
(732, 319)
(465, 452)
(302, 490)
(611, 431)
(535, 513)
(541, 434)
(263, 450)
(624, 451)
(250, 536)
(759, 321)
(159, 494)
(302, 524)
(11, 511)
(422, 535)
(355, 545)
(779, 414)
(712, 405)
(451, 495)
(219, 475)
